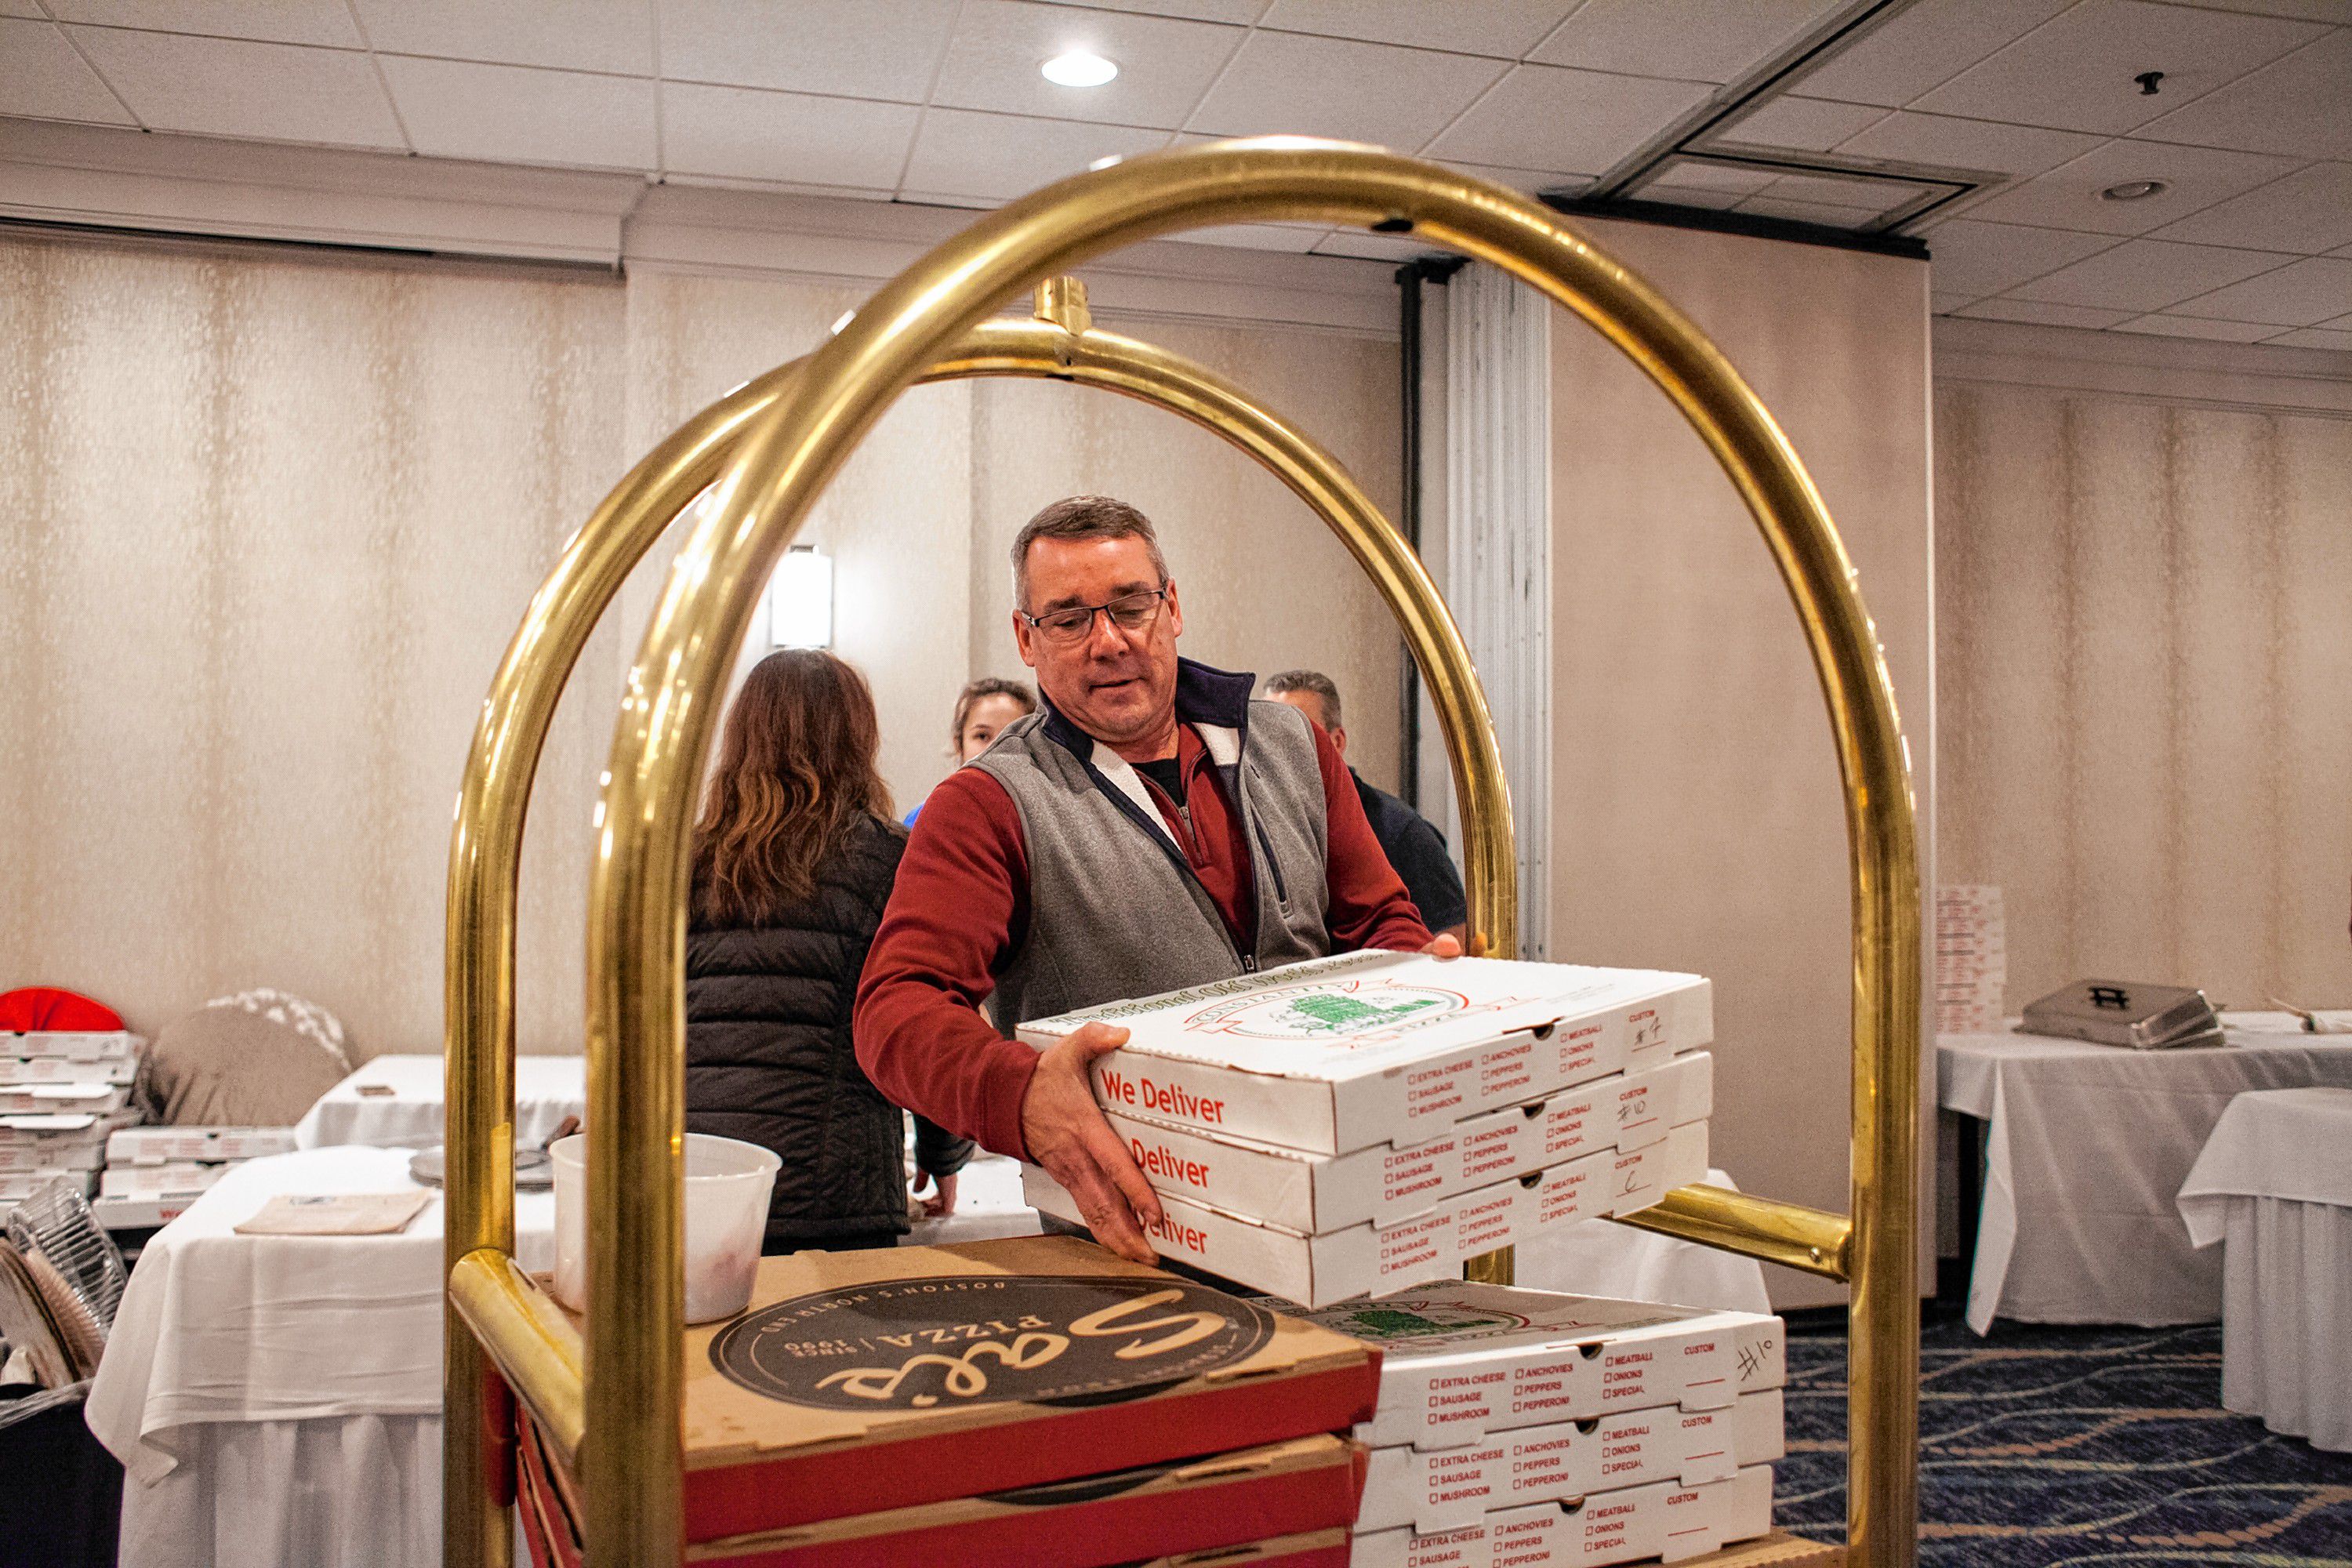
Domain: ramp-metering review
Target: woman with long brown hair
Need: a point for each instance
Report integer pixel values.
(793, 858)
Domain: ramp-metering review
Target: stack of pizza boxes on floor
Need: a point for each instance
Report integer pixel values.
(1356, 1124)
(1525, 1426)
(62, 1093)
(1000, 1405)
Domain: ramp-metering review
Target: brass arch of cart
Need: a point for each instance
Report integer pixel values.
(609, 1396)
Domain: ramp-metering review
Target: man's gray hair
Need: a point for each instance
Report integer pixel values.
(1313, 680)
(1082, 517)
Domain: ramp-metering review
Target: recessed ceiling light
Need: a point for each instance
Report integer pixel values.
(2133, 191)
(1078, 68)
(1110, 161)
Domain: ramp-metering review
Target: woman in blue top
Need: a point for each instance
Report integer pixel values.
(984, 709)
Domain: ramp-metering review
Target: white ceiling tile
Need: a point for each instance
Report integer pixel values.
(2142, 274)
(325, 22)
(23, 8)
(2309, 211)
(2301, 294)
(1287, 82)
(2043, 315)
(853, 49)
(2182, 327)
(996, 157)
(1972, 258)
(2076, 73)
(2338, 11)
(1921, 48)
(1546, 117)
(1164, 66)
(1298, 238)
(1690, 173)
(1909, 136)
(1506, 29)
(2341, 323)
(752, 133)
(2295, 106)
(517, 114)
(1825, 214)
(1531, 182)
(572, 35)
(2313, 338)
(42, 77)
(228, 87)
(1694, 40)
(1190, 10)
(1673, 193)
(1837, 189)
(1945, 304)
(2195, 178)
(1812, 124)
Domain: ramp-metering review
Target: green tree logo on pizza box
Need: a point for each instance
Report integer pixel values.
(1352, 1012)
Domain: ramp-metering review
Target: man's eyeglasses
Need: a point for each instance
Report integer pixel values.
(1130, 613)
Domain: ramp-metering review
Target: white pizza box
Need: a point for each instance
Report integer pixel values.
(1384, 1184)
(1337, 1054)
(40, 1099)
(65, 1069)
(180, 1178)
(1432, 1489)
(1338, 1264)
(74, 1044)
(1664, 1520)
(158, 1145)
(1459, 1360)
(16, 1186)
(70, 1142)
(140, 1214)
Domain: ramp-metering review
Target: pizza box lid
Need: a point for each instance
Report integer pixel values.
(885, 1378)
(1338, 1053)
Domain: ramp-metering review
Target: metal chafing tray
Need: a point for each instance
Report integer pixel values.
(2125, 1013)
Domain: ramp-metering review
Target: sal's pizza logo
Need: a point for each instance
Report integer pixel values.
(1345, 1012)
(914, 1344)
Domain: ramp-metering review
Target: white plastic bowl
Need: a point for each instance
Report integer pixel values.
(728, 1185)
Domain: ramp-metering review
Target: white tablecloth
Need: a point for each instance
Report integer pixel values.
(547, 1090)
(1602, 1257)
(2085, 1149)
(276, 1400)
(2274, 1184)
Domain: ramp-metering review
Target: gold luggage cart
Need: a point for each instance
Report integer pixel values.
(608, 1397)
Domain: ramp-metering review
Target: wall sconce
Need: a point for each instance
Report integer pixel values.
(800, 599)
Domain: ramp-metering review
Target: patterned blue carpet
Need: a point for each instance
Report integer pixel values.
(2048, 1445)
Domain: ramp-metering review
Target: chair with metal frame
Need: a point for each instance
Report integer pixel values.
(609, 1398)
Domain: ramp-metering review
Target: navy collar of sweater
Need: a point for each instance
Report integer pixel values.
(1204, 695)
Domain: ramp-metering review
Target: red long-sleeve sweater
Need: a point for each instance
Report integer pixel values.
(960, 909)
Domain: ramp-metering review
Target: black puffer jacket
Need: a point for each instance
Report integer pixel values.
(769, 1059)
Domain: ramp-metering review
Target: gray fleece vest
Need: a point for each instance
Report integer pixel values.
(1115, 911)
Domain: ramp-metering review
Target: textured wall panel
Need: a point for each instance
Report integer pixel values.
(267, 527)
(2145, 651)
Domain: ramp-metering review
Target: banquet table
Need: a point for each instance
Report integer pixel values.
(2086, 1147)
(399, 1101)
(276, 1400)
(2274, 1185)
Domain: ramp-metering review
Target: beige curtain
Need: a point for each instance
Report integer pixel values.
(2145, 672)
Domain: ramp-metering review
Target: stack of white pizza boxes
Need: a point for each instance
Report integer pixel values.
(1521, 1426)
(1355, 1124)
(153, 1174)
(61, 1093)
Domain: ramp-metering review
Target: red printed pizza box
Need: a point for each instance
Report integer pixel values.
(180, 1179)
(1664, 1520)
(1311, 1193)
(1340, 1265)
(1340, 1053)
(73, 1141)
(1460, 1360)
(63, 1099)
(1432, 1489)
(1235, 1506)
(74, 1044)
(65, 1069)
(16, 1186)
(209, 1145)
(862, 1381)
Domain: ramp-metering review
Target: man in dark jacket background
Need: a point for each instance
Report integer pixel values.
(1412, 841)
